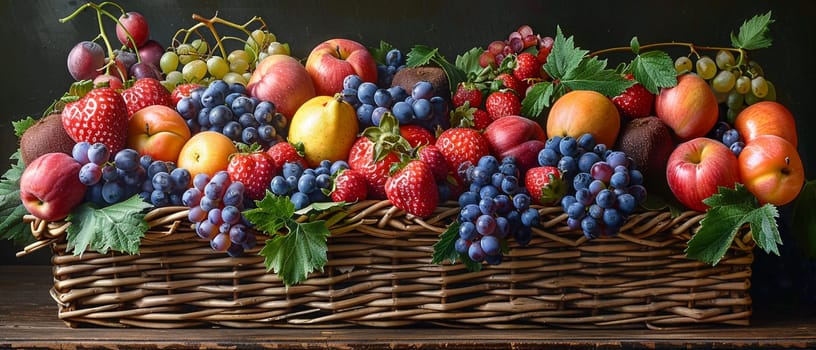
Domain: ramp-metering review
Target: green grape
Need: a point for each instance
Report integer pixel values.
(725, 59)
(175, 77)
(194, 71)
(239, 66)
(276, 48)
(771, 96)
(743, 84)
(731, 116)
(706, 68)
(735, 100)
(168, 85)
(201, 47)
(682, 64)
(247, 76)
(234, 78)
(262, 55)
(750, 99)
(239, 55)
(723, 81)
(755, 69)
(169, 62)
(255, 42)
(185, 53)
(759, 87)
(217, 66)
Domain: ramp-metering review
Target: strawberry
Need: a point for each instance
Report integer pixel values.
(431, 155)
(502, 103)
(253, 168)
(467, 93)
(285, 152)
(416, 135)
(462, 146)
(146, 92)
(635, 102)
(375, 151)
(413, 189)
(527, 69)
(182, 91)
(509, 81)
(481, 119)
(99, 116)
(544, 184)
(349, 186)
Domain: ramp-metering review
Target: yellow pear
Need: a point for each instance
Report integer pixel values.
(327, 128)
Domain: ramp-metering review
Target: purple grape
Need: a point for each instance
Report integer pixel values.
(476, 253)
(606, 199)
(80, 152)
(98, 153)
(490, 245)
(467, 230)
(486, 225)
(90, 174)
(462, 245)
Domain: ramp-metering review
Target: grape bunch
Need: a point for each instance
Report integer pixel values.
(394, 62)
(517, 41)
(495, 206)
(603, 185)
(216, 205)
(108, 182)
(165, 183)
(194, 62)
(306, 186)
(729, 137)
(737, 83)
(372, 102)
(227, 109)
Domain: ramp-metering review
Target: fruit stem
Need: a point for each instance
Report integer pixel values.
(209, 23)
(691, 46)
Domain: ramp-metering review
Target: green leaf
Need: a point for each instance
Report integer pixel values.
(753, 33)
(379, 52)
(537, 99)
(119, 227)
(803, 221)
(654, 70)
(729, 210)
(12, 210)
(420, 55)
(564, 57)
(469, 62)
(635, 45)
(319, 207)
(22, 125)
(591, 74)
(270, 213)
(444, 248)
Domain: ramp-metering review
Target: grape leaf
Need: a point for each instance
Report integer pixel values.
(22, 125)
(298, 252)
(12, 210)
(635, 45)
(654, 70)
(591, 74)
(537, 99)
(803, 221)
(564, 56)
(729, 210)
(753, 33)
(379, 52)
(445, 249)
(119, 227)
(421, 55)
(469, 61)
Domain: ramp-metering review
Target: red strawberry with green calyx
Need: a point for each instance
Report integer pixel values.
(285, 152)
(182, 91)
(635, 102)
(433, 157)
(99, 116)
(527, 69)
(502, 103)
(146, 92)
(412, 188)
(375, 151)
(416, 135)
(349, 186)
(544, 184)
(467, 92)
(253, 168)
(462, 147)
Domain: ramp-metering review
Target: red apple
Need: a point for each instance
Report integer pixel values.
(689, 108)
(766, 118)
(283, 81)
(50, 187)
(518, 137)
(697, 167)
(332, 60)
(158, 131)
(771, 169)
(136, 25)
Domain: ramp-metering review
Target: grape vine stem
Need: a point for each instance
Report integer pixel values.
(691, 46)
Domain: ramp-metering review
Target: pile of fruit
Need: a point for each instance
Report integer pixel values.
(525, 122)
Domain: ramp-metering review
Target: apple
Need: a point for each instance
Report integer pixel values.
(584, 111)
(135, 24)
(689, 108)
(771, 169)
(697, 167)
(518, 137)
(334, 59)
(206, 152)
(766, 118)
(283, 81)
(50, 187)
(158, 131)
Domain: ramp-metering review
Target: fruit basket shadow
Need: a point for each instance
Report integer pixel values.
(379, 273)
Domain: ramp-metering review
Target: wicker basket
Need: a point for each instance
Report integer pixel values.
(379, 274)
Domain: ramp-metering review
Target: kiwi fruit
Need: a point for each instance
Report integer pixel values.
(46, 136)
(408, 77)
(649, 142)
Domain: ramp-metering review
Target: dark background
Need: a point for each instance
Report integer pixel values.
(35, 47)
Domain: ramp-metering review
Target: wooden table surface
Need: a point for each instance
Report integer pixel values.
(28, 319)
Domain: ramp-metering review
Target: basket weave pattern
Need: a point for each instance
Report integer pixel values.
(379, 274)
